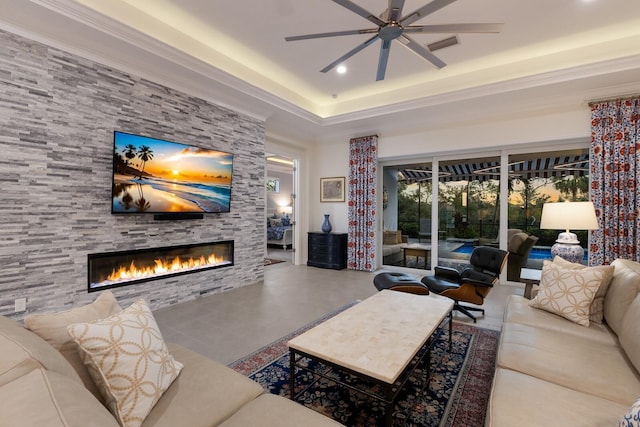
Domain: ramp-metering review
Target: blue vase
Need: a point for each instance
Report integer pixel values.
(326, 225)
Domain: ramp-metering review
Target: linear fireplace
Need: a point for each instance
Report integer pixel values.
(114, 269)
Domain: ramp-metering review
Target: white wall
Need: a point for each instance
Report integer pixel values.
(329, 160)
(275, 201)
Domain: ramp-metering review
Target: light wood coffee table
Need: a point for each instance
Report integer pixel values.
(378, 339)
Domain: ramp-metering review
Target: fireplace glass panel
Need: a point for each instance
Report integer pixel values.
(113, 269)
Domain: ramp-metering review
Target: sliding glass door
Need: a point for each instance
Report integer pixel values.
(467, 201)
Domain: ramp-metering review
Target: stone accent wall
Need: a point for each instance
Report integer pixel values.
(58, 112)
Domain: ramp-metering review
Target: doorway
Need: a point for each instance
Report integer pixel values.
(279, 214)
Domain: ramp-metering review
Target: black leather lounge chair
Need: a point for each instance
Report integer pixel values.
(471, 285)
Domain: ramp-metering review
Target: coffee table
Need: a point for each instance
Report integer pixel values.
(378, 340)
(417, 250)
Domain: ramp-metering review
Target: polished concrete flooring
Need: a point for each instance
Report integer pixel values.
(230, 325)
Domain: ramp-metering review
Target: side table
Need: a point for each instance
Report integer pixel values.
(529, 277)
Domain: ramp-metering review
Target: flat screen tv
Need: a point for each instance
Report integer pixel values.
(162, 177)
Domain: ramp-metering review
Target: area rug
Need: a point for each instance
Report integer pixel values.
(271, 261)
(455, 394)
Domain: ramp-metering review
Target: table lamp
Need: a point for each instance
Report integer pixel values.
(565, 215)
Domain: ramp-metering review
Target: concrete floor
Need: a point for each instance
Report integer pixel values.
(230, 325)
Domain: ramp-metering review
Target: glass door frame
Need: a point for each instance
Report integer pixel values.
(435, 159)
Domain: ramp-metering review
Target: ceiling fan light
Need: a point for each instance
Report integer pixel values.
(441, 44)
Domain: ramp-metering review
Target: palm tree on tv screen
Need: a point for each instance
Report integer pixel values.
(145, 154)
(129, 152)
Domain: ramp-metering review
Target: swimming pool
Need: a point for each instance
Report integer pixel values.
(536, 253)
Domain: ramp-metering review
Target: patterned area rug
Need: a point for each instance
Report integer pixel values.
(456, 393)
(271, 261)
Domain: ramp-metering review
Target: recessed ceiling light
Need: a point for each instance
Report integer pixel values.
(341, 69)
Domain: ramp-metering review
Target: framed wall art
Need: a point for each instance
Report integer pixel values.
(273, 185)
(332, 189)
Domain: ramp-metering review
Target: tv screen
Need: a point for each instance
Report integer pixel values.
(163, 177)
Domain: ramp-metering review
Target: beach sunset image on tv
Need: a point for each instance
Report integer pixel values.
(157, 176)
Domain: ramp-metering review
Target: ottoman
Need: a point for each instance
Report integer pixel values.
(400, 282)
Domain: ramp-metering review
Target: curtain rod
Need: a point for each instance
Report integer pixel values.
(617, 98)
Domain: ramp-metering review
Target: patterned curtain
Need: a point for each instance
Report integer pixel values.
(363, 160)
(615, 170)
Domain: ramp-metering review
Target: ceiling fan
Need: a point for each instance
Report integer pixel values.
(392, 25)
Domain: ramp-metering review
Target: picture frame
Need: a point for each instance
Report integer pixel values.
(273, 185)
(332, 189)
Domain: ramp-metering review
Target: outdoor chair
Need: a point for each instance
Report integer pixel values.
(473, 284)
(425, 229)
(519, 248)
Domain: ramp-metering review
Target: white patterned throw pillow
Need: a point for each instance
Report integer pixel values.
(631, 418)
(596, 310)
(567, 292)
(129, 361)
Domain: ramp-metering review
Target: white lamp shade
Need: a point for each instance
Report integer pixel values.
(569, 215)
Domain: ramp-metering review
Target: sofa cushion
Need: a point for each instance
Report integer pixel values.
(53, 328)
(596, 310)
(632, 417)
(630, 333)
(129, 361)
(623, 289)
(570, 361)
(48, 398)
(270, 410)
(205, 393)
(518, 399)
(517, 310)
(567, 292)
(23, 351)
(515, 241)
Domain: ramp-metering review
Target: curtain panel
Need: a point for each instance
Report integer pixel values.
(615, 170)
(363, 160)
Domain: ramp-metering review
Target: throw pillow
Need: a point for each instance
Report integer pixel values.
(286, 220)
(566, 292)
(596, 310)
(128, 360)
(390, 238)
(52, 328)
(631, 418)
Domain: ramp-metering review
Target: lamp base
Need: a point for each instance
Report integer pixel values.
(568, 251)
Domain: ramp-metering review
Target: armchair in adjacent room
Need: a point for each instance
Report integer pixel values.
(471, 285)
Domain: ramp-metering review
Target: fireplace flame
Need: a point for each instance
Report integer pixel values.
(163, 267)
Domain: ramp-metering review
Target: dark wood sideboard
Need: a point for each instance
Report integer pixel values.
(327, 250)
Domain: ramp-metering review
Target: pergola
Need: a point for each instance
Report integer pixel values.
(520, 166)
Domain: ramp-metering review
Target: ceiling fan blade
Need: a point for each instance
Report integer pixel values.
(455, 28)
(349, 54)
(360, 11)
(425, 10)
(421, 51)
(384, 58)
(395, 10)
(331, 34)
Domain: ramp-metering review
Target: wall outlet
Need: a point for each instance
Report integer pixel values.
(20, 305)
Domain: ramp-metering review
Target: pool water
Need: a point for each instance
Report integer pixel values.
(536, 253)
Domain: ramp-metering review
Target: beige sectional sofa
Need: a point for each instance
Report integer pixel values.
(554, 372)
(39, 387)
